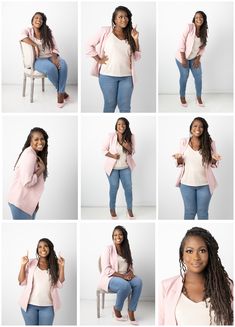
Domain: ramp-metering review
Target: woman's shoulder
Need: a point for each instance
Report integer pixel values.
(32, 262)
(172, 281)
(184, 141)
(106, 29)
(29, 151)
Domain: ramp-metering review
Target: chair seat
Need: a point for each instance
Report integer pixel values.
(33, 73)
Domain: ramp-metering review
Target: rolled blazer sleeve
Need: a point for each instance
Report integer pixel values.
(106, 144)
(213, 151)
(93, 42)
(184, 35)
(107, 269)
(27, 170)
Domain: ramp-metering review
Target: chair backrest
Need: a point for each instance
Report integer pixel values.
(99, 265)
(28, 55)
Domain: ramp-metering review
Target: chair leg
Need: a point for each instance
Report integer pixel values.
(31, 90)
(43, 84)
(103, 295)
(24, 85)
(98, 303)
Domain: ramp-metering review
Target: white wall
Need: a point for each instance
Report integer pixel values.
(59, 199)
(170, 235)
(221, 131)
(15, 246)
(62, 19)
(98, 14)
(141, 237)
(217, 61)
(95, 186)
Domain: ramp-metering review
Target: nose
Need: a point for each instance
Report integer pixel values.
(196, 256)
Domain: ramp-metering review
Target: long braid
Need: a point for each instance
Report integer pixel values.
(217, 281)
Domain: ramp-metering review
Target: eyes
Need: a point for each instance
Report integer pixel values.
(190, 251)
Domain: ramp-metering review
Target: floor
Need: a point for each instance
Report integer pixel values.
(145, 314)
(141, 213)
(214, 103)
(44, 102)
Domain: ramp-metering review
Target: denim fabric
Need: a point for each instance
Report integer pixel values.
(184, 73)
(125, 176)
(38, 315)
(123, 288)
(196, 201)
(57, 76)
(19, 214)
(116, 91)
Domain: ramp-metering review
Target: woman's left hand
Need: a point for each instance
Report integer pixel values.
(60, 261)
(135, 33)
(129, 275)
(196, 63)
(216, 157)
(56, 61)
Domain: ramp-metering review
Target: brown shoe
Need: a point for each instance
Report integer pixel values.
(60, 100)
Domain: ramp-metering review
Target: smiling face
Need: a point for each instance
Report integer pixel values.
(195, 254)
(37, 141)
(117, 237)
(121, 126)
(43, 249)
(198, 20)
(121, 19)
(197, 128)
(37, 21)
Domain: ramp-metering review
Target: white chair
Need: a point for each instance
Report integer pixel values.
(28, 61)
(101, 292)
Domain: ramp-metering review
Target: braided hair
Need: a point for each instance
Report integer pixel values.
(127, 30)
(125, 247)
(217, 282)
(52, 261)
(42, 154)
(45, 31)
(205, 141)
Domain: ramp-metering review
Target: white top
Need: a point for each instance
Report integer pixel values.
(121, 163)
(189, 313)
(119, 57)
(196, 45)
(194, 172)
(122, 265)
(41, 292)
(44, 53)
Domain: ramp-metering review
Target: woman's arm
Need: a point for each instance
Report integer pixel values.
(28, 175)
(61, 262)
(215, 156)
(33, 44)
(22, 272)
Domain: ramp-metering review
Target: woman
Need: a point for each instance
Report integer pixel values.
(48, 60)
(196, 157)
(118, 149)
(192, 45)
(202, 294)
(118, 276)
(30, 173)
(117, 49)
(42, 277)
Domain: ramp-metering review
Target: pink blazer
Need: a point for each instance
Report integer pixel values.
(209, 174)
(169, 293)
(29, 32)
(28, 282)
(95, 46)
(109, 265)
(110, 145)
(186, 42)
(26, 188)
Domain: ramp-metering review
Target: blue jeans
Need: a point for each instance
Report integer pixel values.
(116, 91)
(196, 201)
(37, 315)
(184, 72)
(20, 214)
(125, 176)
(123, 288)
(57, 76)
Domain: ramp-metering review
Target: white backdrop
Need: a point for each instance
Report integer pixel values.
(15, 246)
(95, 185)
(143, 254)
(170, 235)
(62, 19)
(98, 14)
(221, 131)
(59, 199)
(217, 61)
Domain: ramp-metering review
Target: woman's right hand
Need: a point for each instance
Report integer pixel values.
(41, 167)
(184, 63)
(36, 50)
(24, 260)
(116, 156)
(179, 158)
(102, 61)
